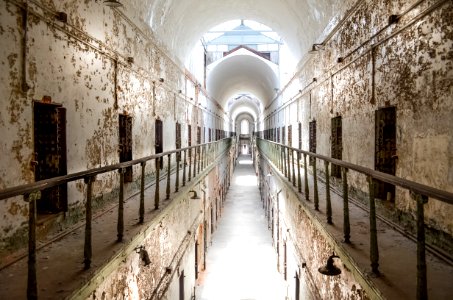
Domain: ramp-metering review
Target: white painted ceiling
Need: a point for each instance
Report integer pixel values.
(179, 24)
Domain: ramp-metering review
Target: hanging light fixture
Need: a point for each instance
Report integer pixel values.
(143, 255)
(330, 269)
(112, 3)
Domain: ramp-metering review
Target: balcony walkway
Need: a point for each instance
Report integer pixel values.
(241, 262)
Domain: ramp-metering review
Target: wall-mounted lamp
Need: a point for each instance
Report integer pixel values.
(62, 16)
(195, 196)
(316, 47)
(130, 60)
(161, 79)
(143, 254)
(340, 60)
(393, 19)
(112, 3)
(330, 269)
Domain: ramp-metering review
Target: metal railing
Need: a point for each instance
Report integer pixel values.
(192, 160)
(288, 161)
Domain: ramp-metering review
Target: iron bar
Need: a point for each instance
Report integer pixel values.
(190, 165)
(307, 189)
(178, 162)
(374, 250)
(422, 288)
(87, 248)
(194, 162)
(294, 170)
(32, 282)
(315, 186)
(346, 225)
(157, 184)
(328, 201)
(184, 169)
(299, 181)
(167, 191)
(120, 224)
(141, 211)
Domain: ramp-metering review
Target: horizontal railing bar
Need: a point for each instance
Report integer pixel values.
(443, 196)
(55, 181)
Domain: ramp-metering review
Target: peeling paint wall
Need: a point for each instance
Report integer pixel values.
(98, 64)
(171, 248)
(409, 65)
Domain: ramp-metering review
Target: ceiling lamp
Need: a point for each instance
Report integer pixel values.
(112, 3)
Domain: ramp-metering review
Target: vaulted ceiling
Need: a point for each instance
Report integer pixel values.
(180, 24)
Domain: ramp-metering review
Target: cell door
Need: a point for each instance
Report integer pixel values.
(385, 150)
(50, 154)
(125, 136)
(312, 139)
(336, 144)
(159, 140)
(196, 260)
(210, 134)
(297, 287)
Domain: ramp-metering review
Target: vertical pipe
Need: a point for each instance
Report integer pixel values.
(87, 248)
(141, 211)
(299, 181)
(328, 202)
(346, 226)
(167, 196)
(184, 169)
(315, 185)
(120, 224)
(374, 250)
(157, 184)
(422, 289)
(32, 282)
(307, 189)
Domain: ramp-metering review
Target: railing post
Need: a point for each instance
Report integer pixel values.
(374, 250)
(141, 211)
(346, 225)
(190, 165)
(422, 289)
(328, 202)
(184, 169)
(32, 282)
(284, 161)
(299, 180)
(194, 162)
(294, 171)
(87, 248)
(307, 189)
(178, 161)
(120, 224)
(168, 177)
(157, 183)
(200, 152)
(315, 185)
(282, 169)
(288, 164)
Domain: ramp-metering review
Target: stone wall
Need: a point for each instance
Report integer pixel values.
(366, 63)
(97, 63)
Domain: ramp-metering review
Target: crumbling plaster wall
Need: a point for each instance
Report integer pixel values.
(171, 247)
(408, 65)
(83, 65)
(307, 247)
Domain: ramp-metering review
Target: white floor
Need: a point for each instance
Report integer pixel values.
(241, 263)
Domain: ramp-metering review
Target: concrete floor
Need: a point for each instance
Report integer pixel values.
(241, 262)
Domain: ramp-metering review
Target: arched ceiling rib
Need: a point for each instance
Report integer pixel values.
(242, 74)
(180, 24)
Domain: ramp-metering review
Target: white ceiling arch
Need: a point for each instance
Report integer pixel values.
(180, 24)
(242, 74)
